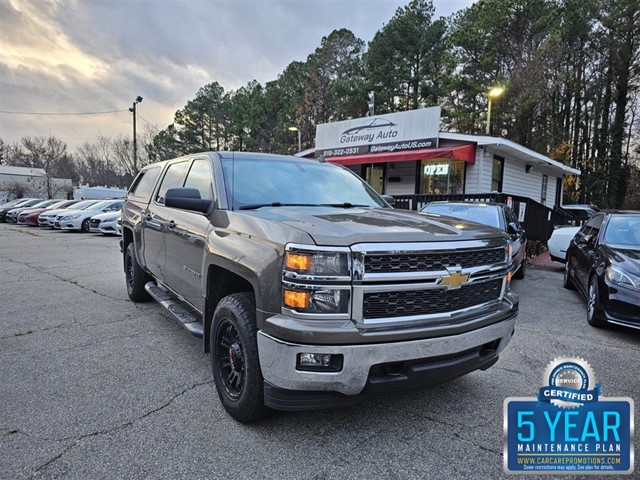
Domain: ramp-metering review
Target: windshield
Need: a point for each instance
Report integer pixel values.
(623, 230)
(484, 214)
(254, 183)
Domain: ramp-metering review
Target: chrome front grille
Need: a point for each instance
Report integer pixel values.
(428, 302)
(427, 283)
(431, 262)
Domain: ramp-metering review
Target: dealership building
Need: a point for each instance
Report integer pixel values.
(404, 154)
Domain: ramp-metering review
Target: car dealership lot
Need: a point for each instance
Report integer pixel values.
(94, 386)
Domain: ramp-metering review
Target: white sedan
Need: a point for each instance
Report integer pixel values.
(79, 219)
(560, 240)
(105, 223)
(48, 217)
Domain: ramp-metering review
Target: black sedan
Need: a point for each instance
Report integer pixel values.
(493, 214)
(603, 263)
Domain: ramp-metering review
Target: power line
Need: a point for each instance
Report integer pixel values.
(61, 113)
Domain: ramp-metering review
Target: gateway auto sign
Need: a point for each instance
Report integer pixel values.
(383, 133)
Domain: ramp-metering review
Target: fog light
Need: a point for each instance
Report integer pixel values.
(319, 362)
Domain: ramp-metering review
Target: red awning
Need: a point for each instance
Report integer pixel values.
(463, 152)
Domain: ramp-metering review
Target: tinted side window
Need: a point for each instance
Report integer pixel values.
(592, 227)
(171, 179)
(142, 186)
(200, 177)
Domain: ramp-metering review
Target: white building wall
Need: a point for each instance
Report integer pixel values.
(518, 182)
(486, 172)
(472, 178)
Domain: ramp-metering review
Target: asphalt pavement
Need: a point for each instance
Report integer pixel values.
(94, 386)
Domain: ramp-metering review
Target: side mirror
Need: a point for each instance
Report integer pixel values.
(389, 199)
(186, 199)
(512, 228)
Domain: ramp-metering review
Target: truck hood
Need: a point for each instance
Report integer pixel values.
(348, 226)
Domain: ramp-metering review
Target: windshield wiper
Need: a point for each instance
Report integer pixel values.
(345, 205)
(280, 204)
(277, 204)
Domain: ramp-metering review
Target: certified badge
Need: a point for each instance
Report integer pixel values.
(569, 382)
(569, 427)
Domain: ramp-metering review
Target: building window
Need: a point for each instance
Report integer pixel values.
(374, 176)
(497, 174)
(442, 176)
(543, 194)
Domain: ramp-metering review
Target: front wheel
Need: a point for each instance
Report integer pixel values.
(566, 280)
(135, 276)
(235, 362)
(594, 312)
(85, 227)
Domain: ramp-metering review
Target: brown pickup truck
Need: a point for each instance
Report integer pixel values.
(308, 289)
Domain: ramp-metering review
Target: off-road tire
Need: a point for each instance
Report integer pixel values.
(135, 277)
(234, 358)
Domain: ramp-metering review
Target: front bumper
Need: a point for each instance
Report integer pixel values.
(70, 224)
(427, 361)
(621, 305)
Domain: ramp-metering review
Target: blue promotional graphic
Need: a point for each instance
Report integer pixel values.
(569, 427)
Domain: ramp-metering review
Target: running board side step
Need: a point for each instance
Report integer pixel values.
(186, 319)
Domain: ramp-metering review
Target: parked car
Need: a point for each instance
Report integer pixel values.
(47, 219)
(603, 263)
(28, 202)
(12, 215)
(30, 216)
(79, 220)
(559, 241)
(496, 215)
(105, 223)
(23, 212)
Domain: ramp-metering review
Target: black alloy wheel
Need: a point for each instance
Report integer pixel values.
(85, 228)
(230, 358)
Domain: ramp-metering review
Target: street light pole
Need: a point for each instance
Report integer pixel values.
(495, 92)
(296, 129)
(135, 141)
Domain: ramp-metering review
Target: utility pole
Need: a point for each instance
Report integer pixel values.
(135, 141)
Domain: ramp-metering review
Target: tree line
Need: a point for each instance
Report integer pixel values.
(570, 69)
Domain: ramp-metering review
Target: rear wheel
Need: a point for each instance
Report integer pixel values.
(594, 312)
(235, 362)
(135, 276)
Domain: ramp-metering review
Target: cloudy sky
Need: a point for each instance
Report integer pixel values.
(70, 56)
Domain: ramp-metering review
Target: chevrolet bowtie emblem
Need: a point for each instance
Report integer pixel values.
(454, 280)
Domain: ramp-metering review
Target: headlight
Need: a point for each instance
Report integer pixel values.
(322, 264)
(70, 217)
(623, 278)
(316, 280)
(110, 219)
